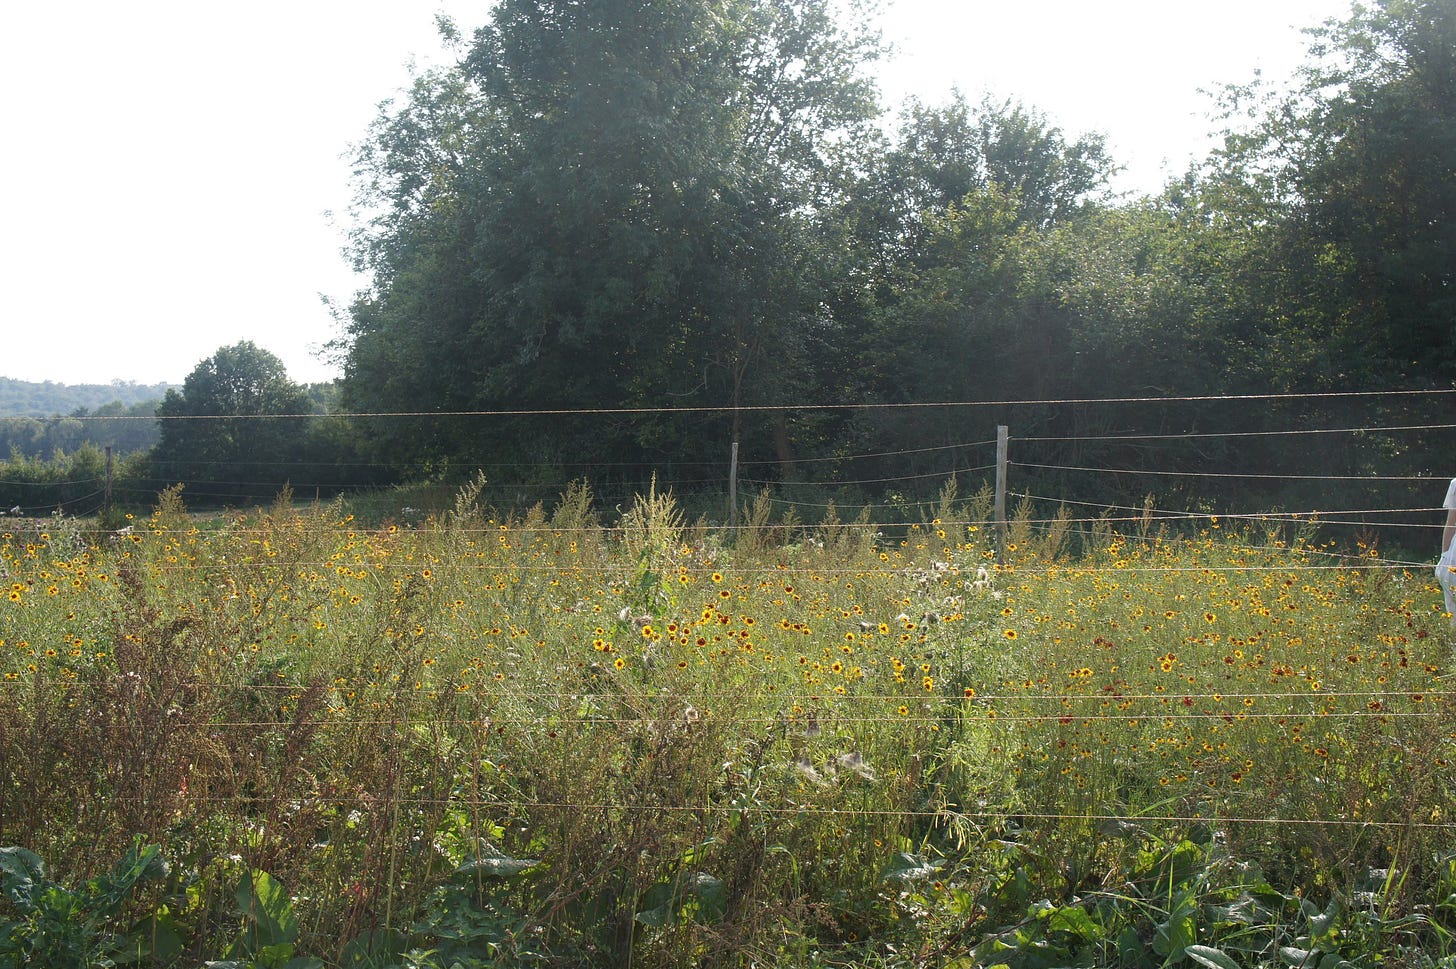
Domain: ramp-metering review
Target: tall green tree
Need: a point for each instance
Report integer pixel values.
(1354, 170)
(605, 205)
(233, 431)
(947, 301)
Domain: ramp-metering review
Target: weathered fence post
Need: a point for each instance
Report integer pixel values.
(733, 487)
(106, 493)
(1000, 513)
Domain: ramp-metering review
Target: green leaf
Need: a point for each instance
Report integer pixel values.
(262, 900)
(655, 917)
(1210, 957)
(1320, 925)
(154, 938)
(1173, 937)
(303, 962)
(21, 870)
(1074, 919)
(142, 862)
(382, 946)
(906, 867)
(1131, 950)
(702, 896)
(712, 896)
(274, 956)
(494, 866)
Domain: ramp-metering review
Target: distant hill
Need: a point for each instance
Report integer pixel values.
(20, 398)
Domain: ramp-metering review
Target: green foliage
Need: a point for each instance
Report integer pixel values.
(706, 217)
(601, 204)
(944, 153)
(468, 922)
(1185, 903)
(234, 429)
(123, 428)
(241, 431)
(44, 923)
(1345, 176)
(451, 748)
(20, 398)
(65, 482)
(270, 928)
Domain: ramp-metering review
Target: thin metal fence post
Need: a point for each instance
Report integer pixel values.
(1001, 448)
(106, 494)
(733, 487)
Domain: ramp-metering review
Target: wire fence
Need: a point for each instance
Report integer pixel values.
(1394, 504)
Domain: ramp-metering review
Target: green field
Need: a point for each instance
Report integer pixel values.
(291, 739)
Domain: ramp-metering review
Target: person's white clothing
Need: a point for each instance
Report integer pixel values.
(1446, 565)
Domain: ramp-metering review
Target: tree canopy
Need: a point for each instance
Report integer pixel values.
(606, 205)
(219, 434)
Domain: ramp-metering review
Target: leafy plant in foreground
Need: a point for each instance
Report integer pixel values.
(270, 928)
(44, 923)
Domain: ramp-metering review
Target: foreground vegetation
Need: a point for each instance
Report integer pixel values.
(292, 740)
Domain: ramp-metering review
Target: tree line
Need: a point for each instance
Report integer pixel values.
(703, 204)
(660, 228)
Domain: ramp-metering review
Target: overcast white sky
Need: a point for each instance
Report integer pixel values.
(168, 166)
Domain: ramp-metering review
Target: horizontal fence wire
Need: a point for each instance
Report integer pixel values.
(806, 406)
(800, 808)
(544, 724)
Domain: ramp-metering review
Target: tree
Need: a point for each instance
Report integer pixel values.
(605, 205)
(940, 154)
(227, 435)
(1355, 173)
(949, 301)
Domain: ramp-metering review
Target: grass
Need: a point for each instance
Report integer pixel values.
(484, 740)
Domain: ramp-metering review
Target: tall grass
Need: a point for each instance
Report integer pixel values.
(544, 738)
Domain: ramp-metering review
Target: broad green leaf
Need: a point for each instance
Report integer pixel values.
(655, 917)
(494, 866)
(705, 896)
(1319, 925)
(154, 938)
(274, 956)
(1173, 937)
(384, 946)
(263, 901)
(1074, 919)
(21, 870)
(712, 896)
(1131, 950)
(906, 867)
(1210, 957)
(142, 862)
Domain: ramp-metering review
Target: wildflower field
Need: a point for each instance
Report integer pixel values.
(289, 739)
